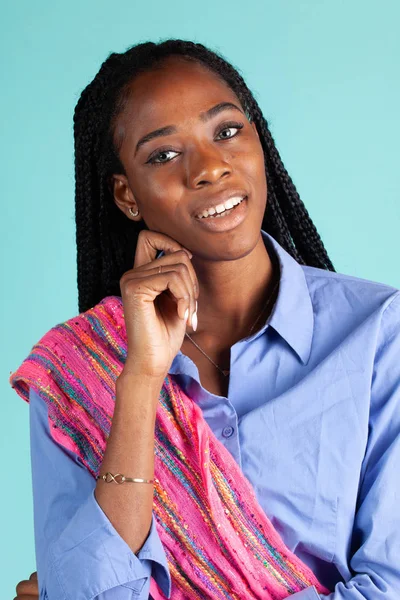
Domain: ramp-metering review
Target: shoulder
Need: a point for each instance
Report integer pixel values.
(109, 308)
(96, 336)
(92, 323)
(347, 293)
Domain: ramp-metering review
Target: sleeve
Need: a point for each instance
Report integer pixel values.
(375, 547)
(309, 593)
(79, 554)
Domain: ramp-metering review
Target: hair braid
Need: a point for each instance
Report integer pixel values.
(304, 233)
(106, 239)
(88, 257)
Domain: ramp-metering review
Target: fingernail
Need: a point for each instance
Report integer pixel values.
(194, 321)
(186, 314)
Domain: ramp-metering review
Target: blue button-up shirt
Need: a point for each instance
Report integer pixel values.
(312, 417)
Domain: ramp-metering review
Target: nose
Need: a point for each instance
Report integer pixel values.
(206, 164)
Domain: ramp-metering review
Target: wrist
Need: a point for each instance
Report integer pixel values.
(138, 397)
(129, 378)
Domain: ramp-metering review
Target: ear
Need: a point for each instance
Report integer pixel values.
(123, 196)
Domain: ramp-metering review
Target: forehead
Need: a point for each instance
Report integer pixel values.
(175, 92)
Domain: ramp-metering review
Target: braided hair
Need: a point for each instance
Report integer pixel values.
(106, 239)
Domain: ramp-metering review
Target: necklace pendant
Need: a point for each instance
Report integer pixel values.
(225, 372)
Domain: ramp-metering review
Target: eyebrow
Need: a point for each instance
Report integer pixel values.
(169, 129)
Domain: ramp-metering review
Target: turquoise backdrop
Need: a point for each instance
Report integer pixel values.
(326, 75)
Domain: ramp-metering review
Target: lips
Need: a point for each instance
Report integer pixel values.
(214, 201)
(225, 221)
(222, 209)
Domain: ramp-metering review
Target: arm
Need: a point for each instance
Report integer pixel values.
(79, 553)
(375, 544)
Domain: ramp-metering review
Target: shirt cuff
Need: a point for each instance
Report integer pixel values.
(91, 557)
(309, 593)
(153, 550)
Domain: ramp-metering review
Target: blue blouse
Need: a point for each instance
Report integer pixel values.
(312, 417)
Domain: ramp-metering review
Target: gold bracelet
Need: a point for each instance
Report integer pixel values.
(108, 477)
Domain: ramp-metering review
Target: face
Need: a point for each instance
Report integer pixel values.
(196, 164)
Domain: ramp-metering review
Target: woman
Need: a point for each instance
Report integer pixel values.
(253, 391)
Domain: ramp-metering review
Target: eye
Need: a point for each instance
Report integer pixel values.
(153, 159)
(156, 159)
(229, 127)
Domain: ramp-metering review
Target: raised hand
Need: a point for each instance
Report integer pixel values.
(156, 304)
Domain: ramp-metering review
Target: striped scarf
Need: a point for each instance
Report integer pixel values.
(218, 541)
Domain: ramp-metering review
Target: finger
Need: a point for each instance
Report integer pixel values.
(26, 587)
(150, 243)
(174, 258)
(184, 268)
(181, 293)
(156, 284)
(181, 262)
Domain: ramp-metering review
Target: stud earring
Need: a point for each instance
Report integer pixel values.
(133, 214)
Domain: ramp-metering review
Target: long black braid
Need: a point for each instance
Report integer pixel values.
(106, 239)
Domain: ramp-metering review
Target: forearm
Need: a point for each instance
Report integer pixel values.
(130, 451)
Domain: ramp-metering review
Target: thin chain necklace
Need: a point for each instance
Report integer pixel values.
(225, 372)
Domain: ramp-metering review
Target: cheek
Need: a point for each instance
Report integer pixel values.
(254, 165)
(252, 154)
(159, 203)
(152, 191)
(161, 183)
(251, 163)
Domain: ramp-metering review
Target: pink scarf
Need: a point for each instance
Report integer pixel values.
(218, 541)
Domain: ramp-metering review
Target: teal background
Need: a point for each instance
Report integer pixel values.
(326, 77)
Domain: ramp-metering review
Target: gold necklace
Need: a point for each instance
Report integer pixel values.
(225, 372)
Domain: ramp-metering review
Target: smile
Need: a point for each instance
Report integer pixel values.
(220, 209)
(227, 218)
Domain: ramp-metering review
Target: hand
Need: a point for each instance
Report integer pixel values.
(155, 304)
(28, 589)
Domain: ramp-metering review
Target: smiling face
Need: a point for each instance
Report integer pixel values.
(200, 160)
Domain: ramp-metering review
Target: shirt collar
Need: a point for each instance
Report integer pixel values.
(292, 316)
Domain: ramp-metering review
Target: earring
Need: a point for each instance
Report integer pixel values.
(133, 214)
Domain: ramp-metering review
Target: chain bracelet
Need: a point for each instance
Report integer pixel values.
(109, 477)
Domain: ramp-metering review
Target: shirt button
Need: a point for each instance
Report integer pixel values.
(227, 431)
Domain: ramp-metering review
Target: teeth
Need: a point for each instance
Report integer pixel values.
(221, 207)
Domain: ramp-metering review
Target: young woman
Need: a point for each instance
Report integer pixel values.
(221, 420)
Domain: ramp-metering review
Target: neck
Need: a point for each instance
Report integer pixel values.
(233, 293)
